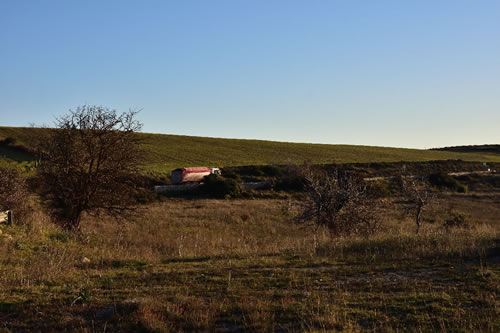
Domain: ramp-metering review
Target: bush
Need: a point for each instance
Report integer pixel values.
(89, 164)
(289, 183)
(338, 202)
(8, 141)
(14, 192)
(456, 220)
(443, 181)
(271, 170)
(219, 187)
(256, 171)
(291, 179)
(231, 174)
(462, 188)
(378, 189)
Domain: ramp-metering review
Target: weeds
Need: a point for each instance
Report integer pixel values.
(242, 265)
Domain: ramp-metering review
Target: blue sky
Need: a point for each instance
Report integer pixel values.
(388, 73)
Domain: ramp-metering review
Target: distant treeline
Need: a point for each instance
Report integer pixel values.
(472, 149)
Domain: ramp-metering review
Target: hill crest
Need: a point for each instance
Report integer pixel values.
(165, 152)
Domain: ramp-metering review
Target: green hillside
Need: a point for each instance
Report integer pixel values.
(165, 152)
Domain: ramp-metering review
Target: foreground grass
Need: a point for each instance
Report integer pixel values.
(166, 152)
(264, 293)
(231, 265)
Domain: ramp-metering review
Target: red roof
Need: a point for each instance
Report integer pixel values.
(197, 169)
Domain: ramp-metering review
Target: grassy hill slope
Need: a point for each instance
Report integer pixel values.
(165, 152)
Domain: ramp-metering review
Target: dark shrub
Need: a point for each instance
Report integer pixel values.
(14, 192)
(337, 202)
(467, 178)
(271, 170)
(462, 188)
(443, 181)
(378, 189)
(289, 183)
(251, 170)
(8, 141)
(456, 220)
(144, 196)
(291, 179)
(231, 174)
(219, 187)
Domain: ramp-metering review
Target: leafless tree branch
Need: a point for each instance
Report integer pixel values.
(89, 163)
(337, 202)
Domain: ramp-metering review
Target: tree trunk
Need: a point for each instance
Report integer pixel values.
(10, 218)
(418, 218)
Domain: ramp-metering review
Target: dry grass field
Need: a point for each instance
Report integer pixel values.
(243, 265)
(198, 264)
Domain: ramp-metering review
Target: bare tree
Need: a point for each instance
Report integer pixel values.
(89, 164)
(419, 194)
(338, 202)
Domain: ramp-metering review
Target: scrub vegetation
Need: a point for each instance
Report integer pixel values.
(244, 265)
(319, 248)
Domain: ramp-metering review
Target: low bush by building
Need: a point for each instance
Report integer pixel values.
(219, 187)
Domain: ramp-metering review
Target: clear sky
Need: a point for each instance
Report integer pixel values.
(389, 73)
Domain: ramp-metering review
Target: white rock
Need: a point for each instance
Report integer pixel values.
(85, 260)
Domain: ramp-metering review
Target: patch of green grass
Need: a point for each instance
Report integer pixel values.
(166, 152)
(131, 265)
(60, 236)
(170, 151)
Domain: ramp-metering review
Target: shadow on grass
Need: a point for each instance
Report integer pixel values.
(233, 256)
(202, 259)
